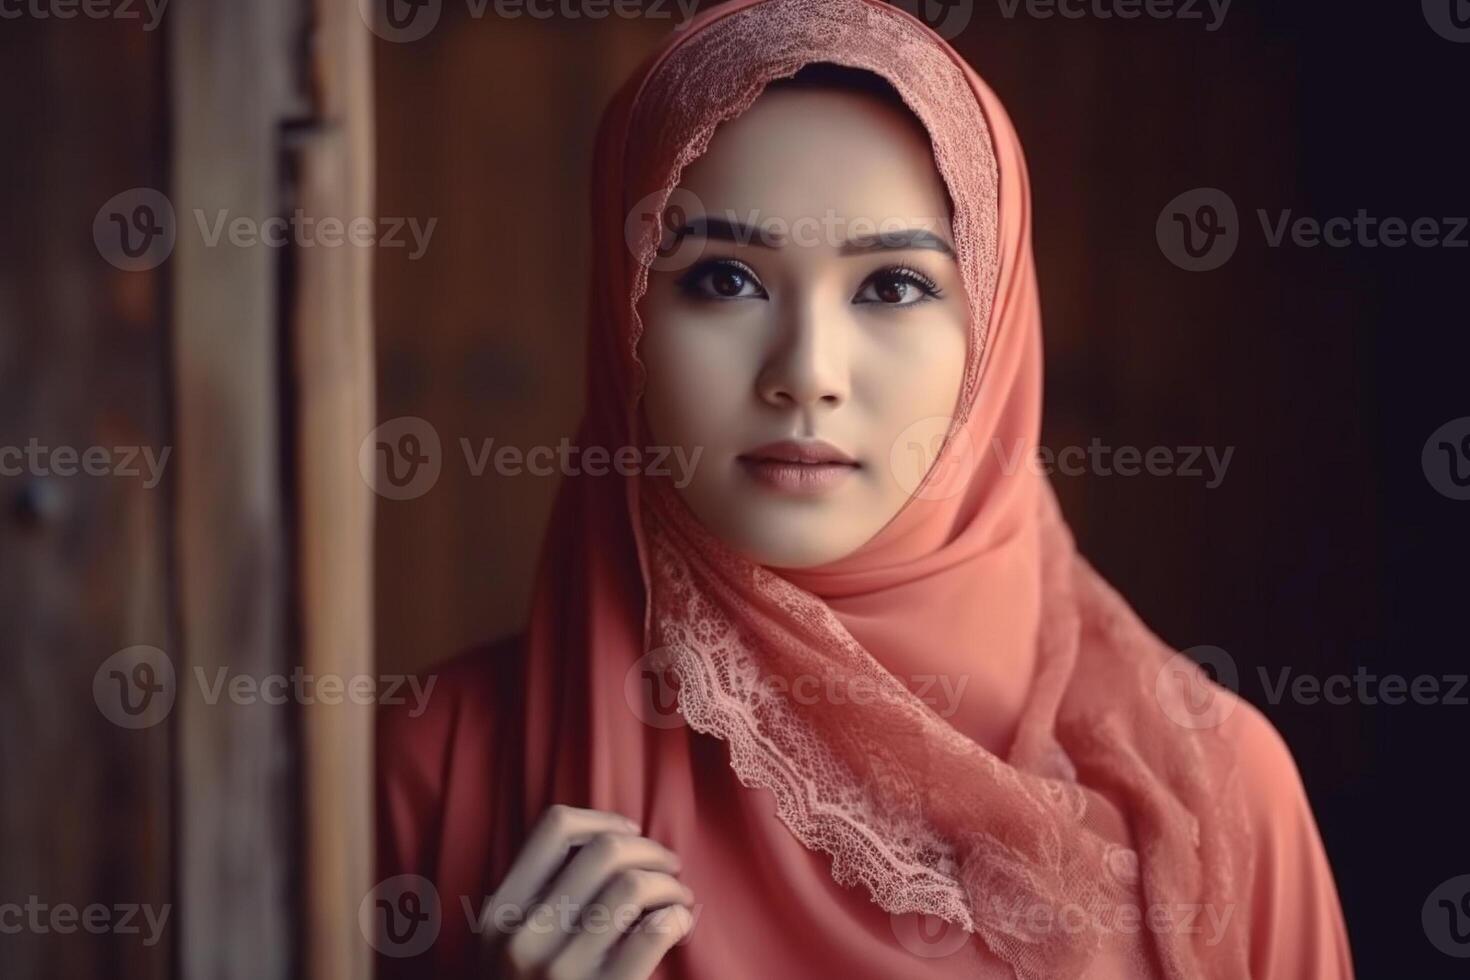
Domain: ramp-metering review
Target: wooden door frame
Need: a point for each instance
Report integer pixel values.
(274, 391)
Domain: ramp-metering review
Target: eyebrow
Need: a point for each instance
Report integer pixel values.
(904, 238)
(724, 229)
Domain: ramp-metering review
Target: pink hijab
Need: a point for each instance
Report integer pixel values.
(844, 835)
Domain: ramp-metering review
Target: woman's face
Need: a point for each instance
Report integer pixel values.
(813, 313)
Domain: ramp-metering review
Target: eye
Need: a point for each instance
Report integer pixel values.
(898, 285)
(721, 279)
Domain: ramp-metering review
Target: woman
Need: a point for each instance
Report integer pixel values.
(914, 733)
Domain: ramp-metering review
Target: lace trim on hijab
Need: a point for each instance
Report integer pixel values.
(862, 782)
(723, 691)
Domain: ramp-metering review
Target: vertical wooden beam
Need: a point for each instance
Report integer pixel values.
(231, 83)
(332, 329)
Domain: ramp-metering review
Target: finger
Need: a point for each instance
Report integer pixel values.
(624, 900)
(560, 829)
(637, 956)
(603, 860)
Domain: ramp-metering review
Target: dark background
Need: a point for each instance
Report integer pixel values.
(1324, 549)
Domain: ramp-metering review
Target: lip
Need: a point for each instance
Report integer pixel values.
(811, 452)
(798, 467)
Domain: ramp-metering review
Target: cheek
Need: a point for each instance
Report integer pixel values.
(914, 372)
(697, 377)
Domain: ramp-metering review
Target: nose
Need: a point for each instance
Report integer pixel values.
(808, 366)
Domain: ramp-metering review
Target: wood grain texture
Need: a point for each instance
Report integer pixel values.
(84, 804)
(231, 83)
(331, 327)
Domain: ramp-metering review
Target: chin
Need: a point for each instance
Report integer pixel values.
(803, 543)
(792, 533)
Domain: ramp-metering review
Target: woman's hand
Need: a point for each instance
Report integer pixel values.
(612, 912)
